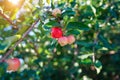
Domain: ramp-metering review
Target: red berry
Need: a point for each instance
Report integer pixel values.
(71, 39)
(63, 41)
(56, 32)
(56, 11)
(13, 64)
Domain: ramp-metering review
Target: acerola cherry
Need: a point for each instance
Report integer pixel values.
(13, 64)
(56, 11)
(56, 32)
(71, 39)
(63, 41)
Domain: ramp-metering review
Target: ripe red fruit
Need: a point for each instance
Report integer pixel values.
(63, 41)
(56, 32)
(56, 11)
(13, 64)
(71, 39)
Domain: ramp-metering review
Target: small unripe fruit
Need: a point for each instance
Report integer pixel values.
(13, 64)
(63, 41)
(71, 39)
(56, 32)
(56, 11)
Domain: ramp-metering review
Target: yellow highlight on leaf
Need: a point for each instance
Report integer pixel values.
(48, 1)
(12, 39)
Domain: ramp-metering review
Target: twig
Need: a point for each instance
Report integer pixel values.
(95, 43)
(8, 19)
(24, 35)
(93, 57)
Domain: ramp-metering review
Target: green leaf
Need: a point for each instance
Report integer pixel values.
(4, 47)
(68, 12)
(3, 22)
(93, 9)
(77, 25)
(74, 70)
(22, 30)
(86, 61)
(76, 32)
(12, 39)
(66, 59)
(84, 43)
(3, 68)
(51, 24)
(97, 26)
(8, 41)
(71, 1)
(104, 41)
(98, 66)
(85, 56)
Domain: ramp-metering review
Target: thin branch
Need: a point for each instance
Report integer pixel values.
(21, 39)
(93, 57)
(8, 19)
(95, 43)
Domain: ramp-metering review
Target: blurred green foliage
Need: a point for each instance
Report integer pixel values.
(94, 23)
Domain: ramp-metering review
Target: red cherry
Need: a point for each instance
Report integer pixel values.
(13, 64)
(63, 41)
(71, 39)
(56, 32)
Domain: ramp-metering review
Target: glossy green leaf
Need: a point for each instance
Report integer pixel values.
(104, 41)
(85, 56)
(12, 39)
(51, 24)
(84, 43)
(75, 32)
(93, 9)
(68, 12)
(77, 25)
(4, 47)
(98, 66)
(86, 61)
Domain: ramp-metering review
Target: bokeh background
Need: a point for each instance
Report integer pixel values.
(94, 23)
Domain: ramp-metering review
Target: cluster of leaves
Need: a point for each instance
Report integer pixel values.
(95, 24)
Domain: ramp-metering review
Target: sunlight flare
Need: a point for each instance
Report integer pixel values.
(14, 1)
